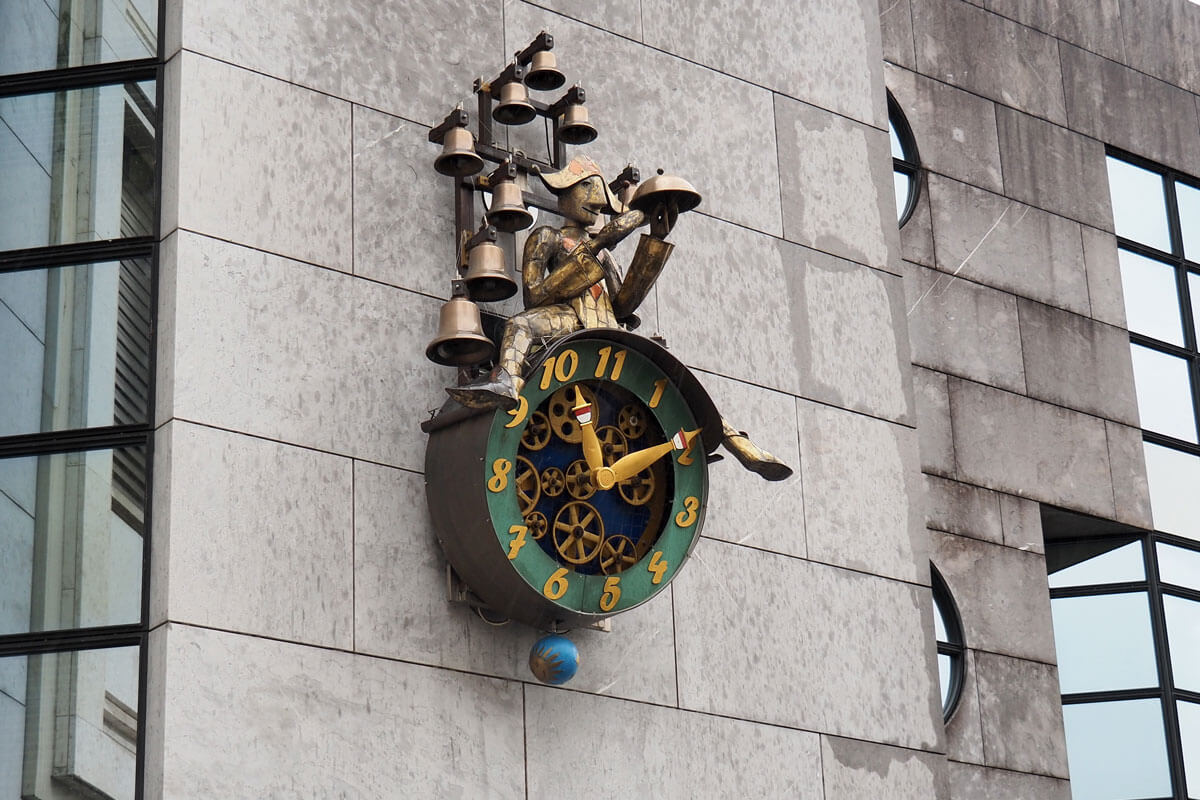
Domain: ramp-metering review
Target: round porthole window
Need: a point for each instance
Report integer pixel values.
(951, 651)
(906, 164)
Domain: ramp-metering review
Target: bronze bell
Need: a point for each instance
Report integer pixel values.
(487, 277)
(508, 212)
(458, 157)
(665, 189)
(574, 127)
(514, 107)
(460, 341)
(544, 74)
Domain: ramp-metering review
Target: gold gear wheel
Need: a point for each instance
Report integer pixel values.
(527, 484)
(537, 523)
(612, 444)
(559, 408)
(537, 432)
(579, 480)
(638, 490)
(617, 554)
(553, 482)
(578, 532)
(632, 421)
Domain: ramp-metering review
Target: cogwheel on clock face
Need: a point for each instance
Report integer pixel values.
(558, 411)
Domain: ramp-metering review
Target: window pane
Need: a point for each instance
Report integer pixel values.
(1189, 733)
(70, 539)
(1164, 393)
(1117, 750)
(1139, 205)
(944, 666)
(1178, 565)
(897, 147)
(76, 348)
(78, 165)
(1095, 562)
(1103, 642)
(97, 32)
(68, 721)
(1174, 479)
(1189, 219)
(900, 181)
(1183, 640)
(1151, 299)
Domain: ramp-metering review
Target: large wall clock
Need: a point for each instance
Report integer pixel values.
(586, 499)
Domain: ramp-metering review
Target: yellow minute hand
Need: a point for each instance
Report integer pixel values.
(584, 415)
(628, 466)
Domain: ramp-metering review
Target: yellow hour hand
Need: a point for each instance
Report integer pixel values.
(628, 466)
(584, 413)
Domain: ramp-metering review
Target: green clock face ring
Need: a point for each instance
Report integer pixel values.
(593, 488)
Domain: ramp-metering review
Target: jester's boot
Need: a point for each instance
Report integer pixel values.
(751, 456)
(494, 390)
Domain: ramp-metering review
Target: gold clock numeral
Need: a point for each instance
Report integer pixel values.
(612, 593)
(657, 566)
(618, 363)
(686, 459)
(560, 366)
(518, 414)
(499, 480)
(687, 517)
(514, 547)
(660, 386)
(556, 585)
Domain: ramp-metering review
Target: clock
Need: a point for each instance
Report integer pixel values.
(587, 498)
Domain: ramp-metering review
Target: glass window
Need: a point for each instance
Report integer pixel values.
(1189, 733)
(905, 162)
(1164, 393)
(68, 724)
(1183, 640)
(1189, 219)
(1178, 565)
(1117, 750)
(1173, 476)
(1096, 561)
(1151, 299)
(1104, 642)
(42, 35)
(951, 649)
(71, 540)
(78, 165)
(1139, 204)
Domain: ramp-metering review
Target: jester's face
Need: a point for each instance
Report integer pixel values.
(584, 201)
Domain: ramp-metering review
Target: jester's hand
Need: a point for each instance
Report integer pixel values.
(663, 219)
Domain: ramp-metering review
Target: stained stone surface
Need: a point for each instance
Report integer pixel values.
(786, 641)
(637, 750)
(301, 720)
(862, 496)
(259, 536)
(618, 16)
(1131, 493)
(934, 432)
(916, 235)
(1105, 291)
(970, 782)
(963, 509)
(402, 611)
(1091, 24)
(1023, 521)
(760, 45)
(964, 730)
(896, 32)
(1148, 27)
(1022, 715)
(855, 769)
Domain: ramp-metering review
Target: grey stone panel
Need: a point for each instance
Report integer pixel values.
(849, 341)
(1163, 39)
(305, 355)
(916, 235)
(258, 537)
(955, 131)
(1001, 595)
(325, 723)
(401, 609)
(854, 770)
(1030, 448)
(719, 133)
(160, 520)
(164, 363)
(934, 433)
(837, 184)
(742, 507)
(1021, 711)
(1105, 291)
(1091, 24)
(264, 163)
(413, 59)
(964, 328)
(618, 16)
(403, 210)
(960, 508)
(152, 716)
(764, 45)
(786, 641)
(583, 746)
(1003, 243)
(1053, 168)
(896, 31)
(1131, 493)
(1129, 109)
(169, 180)
(862, 493)
(964, 730)
(968, 47)
(1077, 362)
(969, 782)
(1022, 521)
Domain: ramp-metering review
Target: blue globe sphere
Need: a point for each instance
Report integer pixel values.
(554, 659)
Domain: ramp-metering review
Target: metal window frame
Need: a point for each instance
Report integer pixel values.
(955, 644)
(910, 165)
(142, 434)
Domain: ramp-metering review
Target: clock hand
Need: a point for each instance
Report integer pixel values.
(629, 465)
(592, 454)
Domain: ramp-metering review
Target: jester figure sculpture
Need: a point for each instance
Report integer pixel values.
(571, 282)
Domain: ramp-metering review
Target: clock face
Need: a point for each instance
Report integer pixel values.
(596, 483)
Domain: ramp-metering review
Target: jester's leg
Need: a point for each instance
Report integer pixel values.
(501, 387)
(751, 456)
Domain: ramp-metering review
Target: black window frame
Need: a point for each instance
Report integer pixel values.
(101, 437)
(910, 164)
(955, 644)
